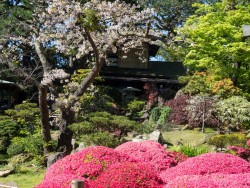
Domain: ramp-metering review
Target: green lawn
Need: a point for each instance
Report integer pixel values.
(25, 177)
(187, 137)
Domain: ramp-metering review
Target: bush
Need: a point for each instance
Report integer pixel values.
(100, 138)
(191, 151)
(135, 106)
(222, 141)
(88, 163)
(100, 98)
(241, 152)
(209, 163)
(103, 128)
(213, 180)
(155, 114)
(159, 115)
(32, 144)
(127, 175)
(150, 152)
(178, 114)
(8, 129)
(234, 112)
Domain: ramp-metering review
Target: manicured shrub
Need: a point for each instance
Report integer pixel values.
(148, 151)
(31, 144)
(155, 114)
(61, 181)
(234, 112)
(224, 140)
(8, 129)
(99, 138)
(88, 163)
(102, 128)
(213, 180)
(159, 115)
(178, 114)
(207, 164)
(128, 175)
(135, 106)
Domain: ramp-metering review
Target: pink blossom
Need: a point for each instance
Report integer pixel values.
(128, 175)
(211, 181)
(61, 181)
(207, 164)
(148, 151)
(88, 163)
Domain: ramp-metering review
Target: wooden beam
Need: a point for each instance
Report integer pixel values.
(154, 80)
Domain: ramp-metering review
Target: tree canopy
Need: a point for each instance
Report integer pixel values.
(215, 42)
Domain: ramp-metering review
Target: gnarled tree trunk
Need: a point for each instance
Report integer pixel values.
(44, 111)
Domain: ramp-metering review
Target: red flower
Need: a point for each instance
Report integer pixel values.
(207, 164)
(211, 181)
(87, 163)
(148, 151)
(128, 175)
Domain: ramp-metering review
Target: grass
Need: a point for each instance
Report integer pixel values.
(191, 151)
(25, 176)
(186, 137)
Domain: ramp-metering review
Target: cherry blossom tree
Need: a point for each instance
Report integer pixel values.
(91, 29)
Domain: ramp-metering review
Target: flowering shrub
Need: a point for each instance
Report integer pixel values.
(61, 181)
(241, 152)
(207, 164)
(128, 175)
(213, 180)
(88, 163)
(148, 151)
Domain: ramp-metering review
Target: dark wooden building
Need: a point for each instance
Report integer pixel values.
(135, 70)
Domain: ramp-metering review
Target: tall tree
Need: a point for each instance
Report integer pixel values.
(20, 61)
(216, 45)
(93, 28)
(76, 30)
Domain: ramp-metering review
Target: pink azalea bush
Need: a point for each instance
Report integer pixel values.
(128, 175)
(61, 181)
(148, 151)
(87, 163)
(207, 164)
(147, 164)
(211, 181)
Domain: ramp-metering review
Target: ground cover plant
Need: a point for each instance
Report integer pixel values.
(133, 164)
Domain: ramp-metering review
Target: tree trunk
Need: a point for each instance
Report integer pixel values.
(64, 142)
(44, 111)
